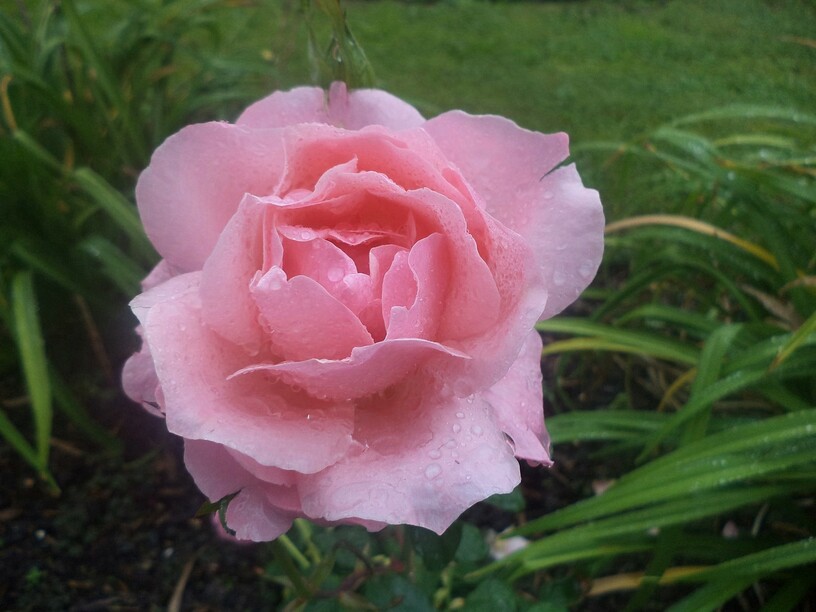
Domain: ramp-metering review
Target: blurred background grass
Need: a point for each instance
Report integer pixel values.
(685, 376)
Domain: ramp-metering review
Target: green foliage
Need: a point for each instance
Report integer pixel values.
(87, 90)
(718, 328)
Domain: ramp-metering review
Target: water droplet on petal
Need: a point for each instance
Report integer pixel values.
(460, 415)
(586, 269)
(434, 454)
(432, 471)
(477, 430)
(457, 428)
(548, 195)
(558, 278)
(335, 274)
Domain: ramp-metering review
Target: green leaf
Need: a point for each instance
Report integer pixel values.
(712, 595)
(76, 412)
(734, 455)
(33, 359)
(604, 337)
(509, 502)
(603, 425)
(118, 267)
(472, 546)
(18, 441)
(122, 212)
(793, 554)
(436, 551)
(394, 592)
(492, 595)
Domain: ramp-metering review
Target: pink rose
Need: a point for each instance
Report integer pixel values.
(342, 324)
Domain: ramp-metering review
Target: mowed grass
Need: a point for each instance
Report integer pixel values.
(596, 69)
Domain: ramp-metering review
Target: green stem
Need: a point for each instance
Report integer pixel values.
(292, 572)
(298, 556)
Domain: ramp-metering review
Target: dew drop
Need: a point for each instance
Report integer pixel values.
(460, 415)
(548, 195)
(476, 430)
(432, 471)
(558, 278)
(305, 234)
(586, 268)
(457, 428)
(335, 274)
(434, 454)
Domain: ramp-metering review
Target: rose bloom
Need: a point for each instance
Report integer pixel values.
(342, 324)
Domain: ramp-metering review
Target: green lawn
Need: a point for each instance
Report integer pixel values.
(596, 69)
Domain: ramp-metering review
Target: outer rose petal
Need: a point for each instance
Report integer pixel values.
(248, 414)
(195, 181)
(425, 459)
(250, 513)
(351, 111)
(517, 404)
(369, 369)
(227, 306)
(560, 219)
(139, 380)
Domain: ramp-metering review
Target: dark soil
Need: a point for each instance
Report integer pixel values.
(119, 536)
(122, 532)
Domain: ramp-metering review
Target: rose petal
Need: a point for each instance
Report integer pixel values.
(266, 473)
(559, 217)
(319, 260)
(352, 110)
(369, 369)
(139, 379)
(423, 459)
(250, 513)
(517, 401)
(567, 236)
(304, 320)
(251, 415)
(161, 272)
(497, 157)
(227, 306)
(313, 149)
(195, 182)
(398, 287)
(429, 268)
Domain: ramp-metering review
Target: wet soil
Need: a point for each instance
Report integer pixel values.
(122, 534)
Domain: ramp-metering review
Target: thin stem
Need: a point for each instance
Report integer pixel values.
(292, 572)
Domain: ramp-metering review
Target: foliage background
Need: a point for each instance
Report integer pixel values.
(684, 379)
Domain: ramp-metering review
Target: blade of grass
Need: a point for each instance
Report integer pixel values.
(18, 441)
(708, 371)
(602, 425)
(117, 207)
(33, 359)
(736, 453)
(695, 225)
(607, 338)
(773, 559)
(76, 412)
(118, 267)
(795, 341)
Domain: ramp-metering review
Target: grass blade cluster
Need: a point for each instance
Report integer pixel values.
(710, 313)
